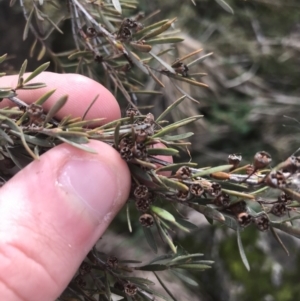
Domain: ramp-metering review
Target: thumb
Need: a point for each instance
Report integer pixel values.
(52, 213)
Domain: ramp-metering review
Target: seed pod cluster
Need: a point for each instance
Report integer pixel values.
(143, 198)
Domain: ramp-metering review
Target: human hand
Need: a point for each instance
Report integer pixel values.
(54, 210)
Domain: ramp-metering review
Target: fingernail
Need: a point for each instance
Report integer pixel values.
(93, 183)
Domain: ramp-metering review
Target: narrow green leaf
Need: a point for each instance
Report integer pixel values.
(5, 93)
(173, 184)
(165, 287)
(209, 212)
(239, 194)
(128, 218)
(137, 61)
(165, 40)
(151, 27)
(192, 266)
(291, 230)
(117, 5)
(184, 258)
(150, 239)
(13, 158)
(170, 108)
(162, 151)
(54, 25)
(33, 86)
(186, 79)
(41, 53)
(162, 213)
(167, 66)
(241, 250)
(90, 106)
(199, 59)
(175, 166)
(27, 25)
(276, 236)
(161, 258)
(159, 30)
(230, 222)
(181, 227)
(79, 146)
(21, 73)
(55, 108)
(187, 224)
(105, 20)
(3, 58)
(116, 135)
(37, 71)
(225, 6)
(178, 137)
(80, 54)
(6, 137)
(185, 278)
(139, 173)
(38, 141)
(209, 171)
(166, 235)
(174, 126)
(152, 267)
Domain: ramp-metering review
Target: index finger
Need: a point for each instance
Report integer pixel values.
(80, 89)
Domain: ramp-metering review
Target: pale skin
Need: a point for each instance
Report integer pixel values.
(54, 211)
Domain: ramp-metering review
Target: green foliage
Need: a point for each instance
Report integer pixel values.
(117, 45)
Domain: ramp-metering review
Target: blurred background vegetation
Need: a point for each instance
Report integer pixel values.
(253, 78)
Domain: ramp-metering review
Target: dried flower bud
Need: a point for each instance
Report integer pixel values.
(238, 208)
(91, 32)
(291, 164)
(284, 198)
(146, 220)
(98, 58)
(84, 268)
(139, 151)
(130, 23)
(275, 179)
(124, 34)
(130, 112)
(183, 195)
(149, 118)
(80, 281)
(181, 68)
(250, 169)
(222, 200)
(140, 135)
(262, 222)
(130, 289)
(261, 160)
(278, 209)
(244, 219)
(143, 205)
(141, 192)
(235, 160)
(126, 154)
(35, 113)
(215, 189)
(196, 189)
(112, 261)
(125, 142)
(183, 172)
